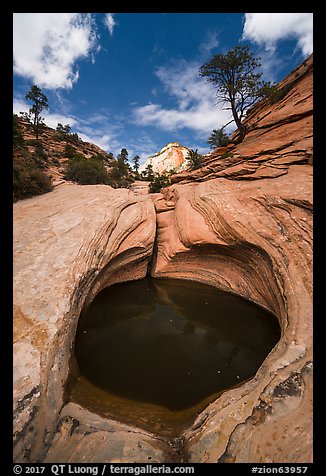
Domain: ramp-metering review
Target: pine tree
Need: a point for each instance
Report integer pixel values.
(237, 82)
(195, 160)
(136, 163)
(218, 138)
(40, 102)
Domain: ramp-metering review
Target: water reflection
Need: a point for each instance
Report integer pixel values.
(171, 343)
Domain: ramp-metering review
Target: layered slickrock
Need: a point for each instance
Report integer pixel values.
(87, 438)
(242, 223)
(67, 245)
(253, 239)
(279, 135)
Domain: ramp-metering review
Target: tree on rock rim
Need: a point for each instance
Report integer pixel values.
(40, 102)
(238, 84)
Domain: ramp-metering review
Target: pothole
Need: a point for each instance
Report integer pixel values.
(155, 352)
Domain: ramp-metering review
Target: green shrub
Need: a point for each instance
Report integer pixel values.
(40, 152)
(18, 139)
(86, 172)
(28, 179)
(105, 158)
(69, 151)
(275, 93)
(281, 93)
(120, 175)
(195, 160)
(78, 156)
(74, 137)
(159, 182)
(226, 155)
(99, 157)
(218, 138)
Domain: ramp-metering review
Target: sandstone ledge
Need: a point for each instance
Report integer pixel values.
(242, 223)
(279, 135)
(253, 239)
(67, 245)
(248, 239)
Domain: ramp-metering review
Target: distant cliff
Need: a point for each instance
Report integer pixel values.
(172, 156)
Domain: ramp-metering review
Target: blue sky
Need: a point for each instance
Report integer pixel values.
(131, 79)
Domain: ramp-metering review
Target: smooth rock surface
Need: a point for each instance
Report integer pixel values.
(67, 245)
(243, 223)
(81, 436)
(254, 239)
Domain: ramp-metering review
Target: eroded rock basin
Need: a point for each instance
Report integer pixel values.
(155, 352)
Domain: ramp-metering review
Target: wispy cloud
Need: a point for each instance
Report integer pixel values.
(269, 28)
(47, 46)
(209, 43)
(97, 128)
(109, 22)
(51, 119)
(102, 141)
(194, 100)
(19, 105)
(271, 64)
(144, 146)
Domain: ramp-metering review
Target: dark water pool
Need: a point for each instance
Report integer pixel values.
(170, 343)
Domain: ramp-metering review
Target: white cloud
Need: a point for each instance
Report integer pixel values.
(95, 135)
(99, 129)
(271, 64)
(102, 141)
(46, 46)
(109, 22)
(210, 43)
(144, 146)
(194, 102)
(20, 106)
(50, 119)
(269, 28)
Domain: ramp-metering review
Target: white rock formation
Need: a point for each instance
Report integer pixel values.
(171, 156)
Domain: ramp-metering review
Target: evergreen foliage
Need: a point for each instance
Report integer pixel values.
(86, 171)
(195, 160)
(158, 182)
(40, 102)
(218, 138)
(148, 173)
(63, 133)
(18, 139)
(28, 179)
(237, 82)
(136, 160)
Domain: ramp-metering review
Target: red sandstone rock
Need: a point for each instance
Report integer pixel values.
(254, 239)
(63, 241)
(218, 225)
(275, 131)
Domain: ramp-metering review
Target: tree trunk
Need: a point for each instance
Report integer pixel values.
(241, 128)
